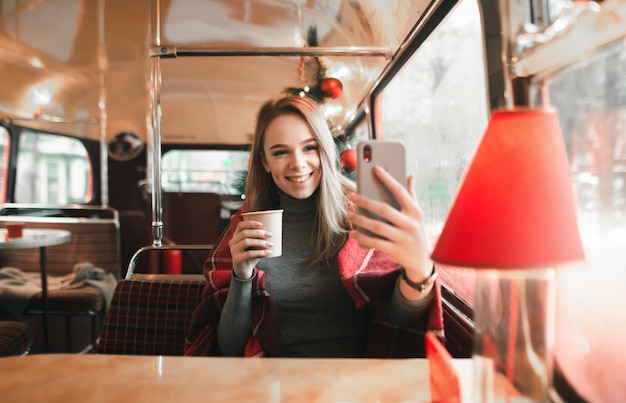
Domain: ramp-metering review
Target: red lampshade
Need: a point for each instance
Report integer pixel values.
(515, 208)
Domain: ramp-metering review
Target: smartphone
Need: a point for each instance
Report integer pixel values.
(390, 155)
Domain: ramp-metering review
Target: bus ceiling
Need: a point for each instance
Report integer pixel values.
(84, 67)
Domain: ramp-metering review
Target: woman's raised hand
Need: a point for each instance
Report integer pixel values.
(404, 236)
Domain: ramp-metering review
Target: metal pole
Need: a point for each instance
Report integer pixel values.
(102, 105)
(155, 132)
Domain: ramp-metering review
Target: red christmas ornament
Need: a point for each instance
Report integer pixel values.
(347, 159)
(331, 87)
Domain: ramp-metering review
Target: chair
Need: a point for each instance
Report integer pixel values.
(16, 338)
(150, 315)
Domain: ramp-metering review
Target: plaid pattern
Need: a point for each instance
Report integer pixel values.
(16, 338)
(150, 317)
(75, 301)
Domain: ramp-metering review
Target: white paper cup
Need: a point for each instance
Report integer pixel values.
(273, 223)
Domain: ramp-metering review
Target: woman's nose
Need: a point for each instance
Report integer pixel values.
(298, 160)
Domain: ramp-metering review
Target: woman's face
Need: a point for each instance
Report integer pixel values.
(291, 155)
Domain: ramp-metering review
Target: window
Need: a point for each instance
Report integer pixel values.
(52, 169)
(591, 101)
(211, 171)
(437, 105)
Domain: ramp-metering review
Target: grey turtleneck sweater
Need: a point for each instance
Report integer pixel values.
(317, 316)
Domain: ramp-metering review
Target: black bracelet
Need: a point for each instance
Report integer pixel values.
(424, 284)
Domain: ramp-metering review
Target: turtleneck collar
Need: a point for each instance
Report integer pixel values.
(297, 207)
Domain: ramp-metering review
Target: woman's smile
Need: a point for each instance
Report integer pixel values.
(299, 178)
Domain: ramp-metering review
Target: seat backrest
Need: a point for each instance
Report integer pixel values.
(95, 238)
(151, 315)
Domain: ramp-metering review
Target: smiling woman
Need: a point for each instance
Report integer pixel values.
(188, 78)
(293, 168)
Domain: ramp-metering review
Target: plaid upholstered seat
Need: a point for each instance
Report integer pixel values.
(88, 300)
(150, 317)
(16, 338)
(68, 303)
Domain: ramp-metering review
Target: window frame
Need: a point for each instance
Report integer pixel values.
(92, 148)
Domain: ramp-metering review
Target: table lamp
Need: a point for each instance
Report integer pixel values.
(514, 220)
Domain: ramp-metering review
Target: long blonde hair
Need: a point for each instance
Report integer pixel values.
(330, 227)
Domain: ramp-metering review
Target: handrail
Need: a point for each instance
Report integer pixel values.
(171, 51)
(133, 260)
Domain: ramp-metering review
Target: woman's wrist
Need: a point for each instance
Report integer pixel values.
(423, 286)
(243, 278)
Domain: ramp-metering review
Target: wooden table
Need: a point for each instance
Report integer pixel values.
(39, 238)
(116, 378)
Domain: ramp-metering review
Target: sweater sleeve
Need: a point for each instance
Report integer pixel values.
(233, 328)
(402, 312)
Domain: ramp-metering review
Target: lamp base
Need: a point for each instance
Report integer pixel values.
(514, 336)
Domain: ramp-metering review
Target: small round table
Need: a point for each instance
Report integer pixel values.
(39, 238)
